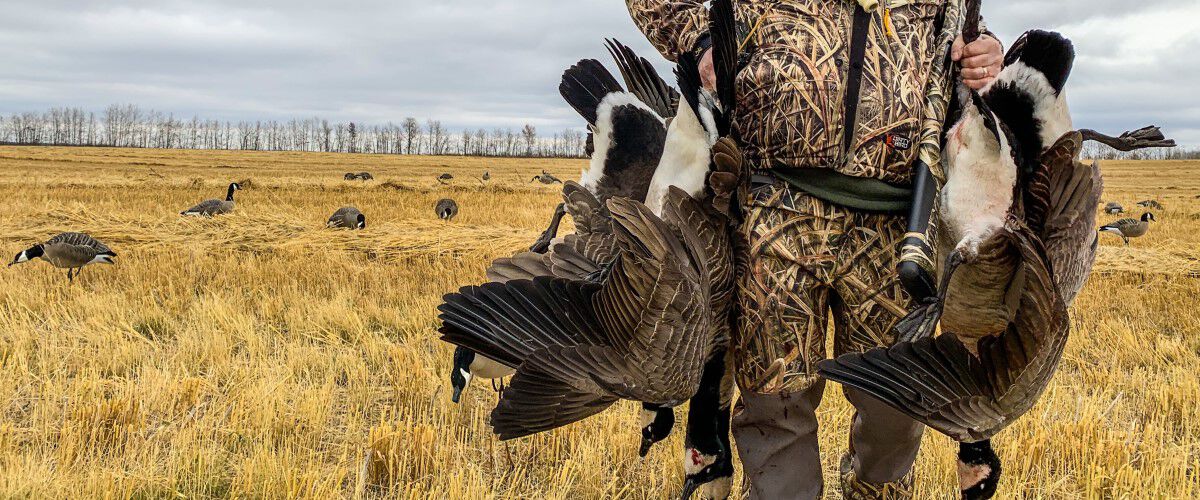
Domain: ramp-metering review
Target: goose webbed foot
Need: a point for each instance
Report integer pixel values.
(922, 321)
(978, 470)
(542, 245)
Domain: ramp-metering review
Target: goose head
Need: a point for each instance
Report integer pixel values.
(656, 426)
(1148, 217)
(362, 222)
(710, 475)
(460, 372)
(978, 470)
(28, 254)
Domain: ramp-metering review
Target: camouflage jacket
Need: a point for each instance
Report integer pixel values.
(827, 84)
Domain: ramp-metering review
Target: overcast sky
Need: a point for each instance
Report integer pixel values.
(473, 63)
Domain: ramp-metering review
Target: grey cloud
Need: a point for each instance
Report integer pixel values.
(472, 63)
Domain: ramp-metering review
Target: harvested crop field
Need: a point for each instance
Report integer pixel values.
(260, 354)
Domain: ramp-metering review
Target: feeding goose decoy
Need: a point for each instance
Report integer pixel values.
(70, 251)
(445, 177)
(1153, 204)
(1113, 208)
(1016, 217)
(350, 176)
(545, 178)
(214, 206)
(347, 218)
(446, 209)
(594, 326)
(365, 176)
(469, 365)
(1130, 228)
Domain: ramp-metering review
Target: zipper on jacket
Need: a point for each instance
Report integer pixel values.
(858, 55)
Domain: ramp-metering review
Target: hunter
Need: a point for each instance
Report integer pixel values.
(835, 99)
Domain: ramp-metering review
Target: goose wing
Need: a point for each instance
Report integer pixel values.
(643, 80)
(204, 207)
(578, 256)
(1120, 225)
(580, 345)
(78, 247)
(940, 383)
(1063, 212)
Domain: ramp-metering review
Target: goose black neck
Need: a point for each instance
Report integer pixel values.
(704, 427)
(229, 194)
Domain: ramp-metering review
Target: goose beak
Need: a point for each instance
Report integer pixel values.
(456, 394)
(689, 488)
(645, 447)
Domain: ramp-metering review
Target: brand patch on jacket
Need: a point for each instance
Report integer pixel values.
(898, 143)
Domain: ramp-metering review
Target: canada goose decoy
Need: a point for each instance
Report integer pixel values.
(468, 365)
(1130, 228)
(70, 251)
(487, 176)
(365, 176)
(545, 178)
(1113, 208)
(213, 207)
(1153, 204)
(350, 176)
(347, 218)
(446, 209)
(591, 326)
(445, 177)
(1015, 216)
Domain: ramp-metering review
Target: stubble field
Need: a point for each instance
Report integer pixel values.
(261, 355)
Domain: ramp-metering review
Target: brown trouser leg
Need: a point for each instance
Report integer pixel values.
(776, 436)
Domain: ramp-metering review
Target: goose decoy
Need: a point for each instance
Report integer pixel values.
(365, 176)
(487, 176)
(1153, 204)
(1113, 208)
(1015, 216)
(347, 218)
(213, 207)
(586, 323)
(446, 209)
(445, 177)
(468, 365)
(70, 251)
(350, 176)
(1130, 228)
(545, 178)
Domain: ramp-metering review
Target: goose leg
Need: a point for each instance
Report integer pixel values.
(978, 470)
(922, 322)
(70, 277)
(543, 242)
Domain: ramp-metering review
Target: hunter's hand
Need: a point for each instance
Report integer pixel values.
(708, 75)
(981, 60)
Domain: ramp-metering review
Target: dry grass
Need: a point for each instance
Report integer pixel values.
(261, 355)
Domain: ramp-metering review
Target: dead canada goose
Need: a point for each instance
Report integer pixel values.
(348, 218)
(365, 176)
(1113, 208)
(214, 207)
(545, 178)
(350, 176)
(70, 251)
(446, 209)
(445, 177)
(1130, 228)
(593, 320)
(1153, 204)
(1018, 248)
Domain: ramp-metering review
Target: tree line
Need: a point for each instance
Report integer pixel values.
(127, 125)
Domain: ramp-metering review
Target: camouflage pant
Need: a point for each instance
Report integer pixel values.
(809, 258)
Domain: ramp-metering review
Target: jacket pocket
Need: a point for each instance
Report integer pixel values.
(790, 93)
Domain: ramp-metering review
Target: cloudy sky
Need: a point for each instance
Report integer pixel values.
(472, 63)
